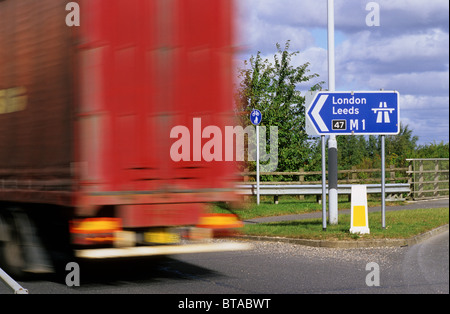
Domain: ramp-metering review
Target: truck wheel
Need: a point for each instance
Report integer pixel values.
(12, 254)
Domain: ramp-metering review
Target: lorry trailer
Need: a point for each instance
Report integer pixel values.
(89, 113)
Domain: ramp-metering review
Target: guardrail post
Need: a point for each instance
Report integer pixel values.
(301, 179)
(354, 177)
(392, 173)
(354, 174)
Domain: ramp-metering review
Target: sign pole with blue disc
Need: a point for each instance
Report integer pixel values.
(255, 118)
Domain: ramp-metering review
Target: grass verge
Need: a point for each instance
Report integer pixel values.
(399, 224)
(290, 205)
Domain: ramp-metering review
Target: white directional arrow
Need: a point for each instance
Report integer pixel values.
(315, 113)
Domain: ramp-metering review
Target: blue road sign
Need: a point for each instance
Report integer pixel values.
(346, 113)
(256, 117)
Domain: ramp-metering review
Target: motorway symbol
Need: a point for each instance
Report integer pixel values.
(256, 117)
(347, 113)
(383, 109)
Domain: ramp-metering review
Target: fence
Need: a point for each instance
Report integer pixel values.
(393, 190)
(428, 178)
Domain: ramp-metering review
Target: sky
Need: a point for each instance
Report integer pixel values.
(408, 51)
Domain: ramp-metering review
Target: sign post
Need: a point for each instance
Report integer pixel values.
(352, 113)
(332, 141)
(383, 184)
(324, 187)
(255, 118)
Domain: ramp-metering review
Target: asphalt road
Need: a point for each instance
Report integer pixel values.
(268, 268)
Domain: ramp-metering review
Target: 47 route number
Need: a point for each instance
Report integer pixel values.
(342, 124)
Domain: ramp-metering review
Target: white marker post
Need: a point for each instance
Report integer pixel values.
(255, 118)
(359, 221)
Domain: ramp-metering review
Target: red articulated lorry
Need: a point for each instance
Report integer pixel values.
(106, 110)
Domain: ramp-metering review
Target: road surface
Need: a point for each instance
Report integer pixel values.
(268, 268)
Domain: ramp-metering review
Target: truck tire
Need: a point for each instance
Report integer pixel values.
(12, 253)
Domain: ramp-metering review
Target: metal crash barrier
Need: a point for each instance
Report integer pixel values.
(392, 189)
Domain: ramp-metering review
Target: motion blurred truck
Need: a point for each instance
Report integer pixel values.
(86, 116)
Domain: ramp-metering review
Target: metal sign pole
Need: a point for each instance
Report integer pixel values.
(332, 143)
(324, 187)
(256, 118)
(257, 164)
(383, 186)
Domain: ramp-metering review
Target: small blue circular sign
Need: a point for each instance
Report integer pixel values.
(256, 117)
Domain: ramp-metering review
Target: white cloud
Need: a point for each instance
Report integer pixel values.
(396, 17)
(427, 116)
(429, 44)
(420, 84)
(289, 12)
(262, 24)
(408, 52)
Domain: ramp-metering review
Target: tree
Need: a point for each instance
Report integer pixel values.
(351, 150)
(401, 146)
(366, 153)
(271, 88)
(433, 150)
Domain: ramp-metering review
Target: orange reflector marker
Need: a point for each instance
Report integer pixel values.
(95, 225)
(95, 230)
(220, 221)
